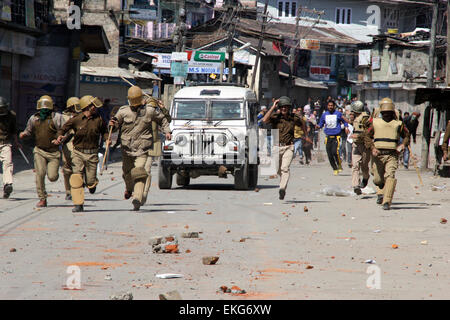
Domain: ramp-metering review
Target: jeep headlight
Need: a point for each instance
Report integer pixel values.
(222, 140)
(181, 140)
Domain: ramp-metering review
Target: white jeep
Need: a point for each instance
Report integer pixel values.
(215, 133)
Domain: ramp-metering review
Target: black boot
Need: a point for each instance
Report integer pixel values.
(380, 199)
(364, 183)
(357, 190)
(136, 205)
(386, 206)
(68, 196)
(92, 190)
(78, 208)
(282, 193)
(7, 189)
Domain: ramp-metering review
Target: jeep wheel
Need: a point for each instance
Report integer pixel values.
(164, 177)
(183, 181)
(241, 178)
(253, 176)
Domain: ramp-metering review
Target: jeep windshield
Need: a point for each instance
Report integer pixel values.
(208, 110)
(190, 110)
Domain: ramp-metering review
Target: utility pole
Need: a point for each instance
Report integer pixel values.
(426, 133)
(292, 52)
(230, 50)
(181, 25)
(260, 43)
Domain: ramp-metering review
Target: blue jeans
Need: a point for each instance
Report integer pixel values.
(298, 147)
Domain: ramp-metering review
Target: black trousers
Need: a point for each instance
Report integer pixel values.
(332, 146)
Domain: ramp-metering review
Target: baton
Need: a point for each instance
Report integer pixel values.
(106, 150)
(23, 155)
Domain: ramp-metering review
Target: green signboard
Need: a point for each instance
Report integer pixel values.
(209, 56)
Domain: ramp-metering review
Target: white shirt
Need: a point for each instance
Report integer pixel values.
(350, 129)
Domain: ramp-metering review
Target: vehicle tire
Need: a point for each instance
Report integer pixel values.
(164, 177)
(241, 177)
(183, 181)
(253, 176)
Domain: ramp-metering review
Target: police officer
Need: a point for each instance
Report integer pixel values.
(138, 136)
(360, 154)
(87, 128)
(382, 138)
(285, 122)
(156, 149)
(72, 109)
(7, 131)
(445, 144)
(44, 125)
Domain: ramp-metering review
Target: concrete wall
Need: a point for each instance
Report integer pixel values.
(359, 28)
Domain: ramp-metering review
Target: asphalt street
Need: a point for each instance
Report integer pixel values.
(308, 246)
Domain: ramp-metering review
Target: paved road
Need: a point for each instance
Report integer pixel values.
(264, 249)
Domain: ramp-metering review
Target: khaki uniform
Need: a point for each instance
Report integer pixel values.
(385, 136)
(46, 154)
(286, 127)
(445, 143)
(360, 154)
(87, 132)
(139, 128)
(67, 154)
(7, 130)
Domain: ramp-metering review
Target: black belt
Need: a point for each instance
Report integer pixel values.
(387, 151)
(87, 151)
(385, 140)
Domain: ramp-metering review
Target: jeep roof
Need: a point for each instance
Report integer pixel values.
(216, 92)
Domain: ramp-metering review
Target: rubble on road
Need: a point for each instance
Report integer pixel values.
(168, 244)
(169, 276)
(443, 221)
(210, 260)
(172, 295)
(233, 290)
(189, 235)
(122, 296)
(336, 191)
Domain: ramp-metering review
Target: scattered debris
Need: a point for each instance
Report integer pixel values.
(210, 260)
(336, 191)
(122, 296)
(228, 231)
(168, 244)
(376, 231)
(112, 178)
(169, 276)
(343, 214)
(305, 209)
(437, 188)
(256, 189)
(186, 227)
(188, 251)
(189, 235)
(309, 266)
(233, 290)
(394, 246)
(425, 242)
(12, 250)
(370, 261)
(443, 221)
(242, 239)
(209, 212)
(172, 295)
(108, 277)
(267, 203)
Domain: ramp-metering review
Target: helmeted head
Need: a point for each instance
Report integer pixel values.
(386, 104)
(135, 96)
(45, 102)
(387, 109)
(74, 103)
(89, 103)
(357, 106)
(285, 104)
(4, 105)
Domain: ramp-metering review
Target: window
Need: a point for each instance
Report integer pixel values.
(343, 16)
(280, 9)
(286, 9)
(191, 110)
(294, 9)
(225, 110)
